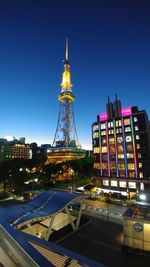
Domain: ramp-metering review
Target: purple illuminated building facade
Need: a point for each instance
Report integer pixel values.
(121, 148)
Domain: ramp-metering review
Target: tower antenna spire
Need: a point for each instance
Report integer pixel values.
(67, 49)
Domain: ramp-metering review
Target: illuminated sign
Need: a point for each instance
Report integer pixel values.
(126, 111)
(103, 117)
(138, 227)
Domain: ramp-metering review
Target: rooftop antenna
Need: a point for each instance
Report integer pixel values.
(116, 97)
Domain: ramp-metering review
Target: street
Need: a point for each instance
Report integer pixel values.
(102, 241)
(104, 211)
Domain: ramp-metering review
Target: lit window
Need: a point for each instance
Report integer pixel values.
(106, 182)
(138, 146)
(119, 130)
(130, 156)
(128, 138)
(94, 143)
(127, 121)
(139, 155)
(111, 140)
(96, 166)
(119, 140)
(114, 183)
(137, 137)
(120, 148)
(131, 174)
(127, 129)
(122, 173)
(136, 128)
(103, 132)
(118, 123)
(95, 135)
(104, 149)
(135, 119)
(103, 141)
(111, 131)
(132, 185)
(141, 174)
(103, 126)
(123, 184)
(120, 156)
(110, 124)
(113, 165)
(121, 166)
(140, 164)
(104, 166)
(95, 127)
(130, 166)
(112, 149)
(129, 148)
(96, 150)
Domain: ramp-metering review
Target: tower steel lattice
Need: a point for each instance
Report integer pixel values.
(66, 134)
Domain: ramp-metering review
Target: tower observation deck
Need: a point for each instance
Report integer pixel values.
(65, 145)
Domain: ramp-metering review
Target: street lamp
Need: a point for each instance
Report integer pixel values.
(142, 197)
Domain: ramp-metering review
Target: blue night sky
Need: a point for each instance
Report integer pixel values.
(109, 52)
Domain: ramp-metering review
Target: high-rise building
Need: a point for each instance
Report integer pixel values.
(121, 147)
(65, 145)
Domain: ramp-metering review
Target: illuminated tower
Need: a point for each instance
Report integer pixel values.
(66, 134)
(65, 145)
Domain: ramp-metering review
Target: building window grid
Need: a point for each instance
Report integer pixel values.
(134, 147)
(100, 148)
(108, 154)
(125, 151)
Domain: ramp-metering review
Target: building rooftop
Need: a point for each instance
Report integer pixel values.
(21, 249)
(18, 248)
(45, 204)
